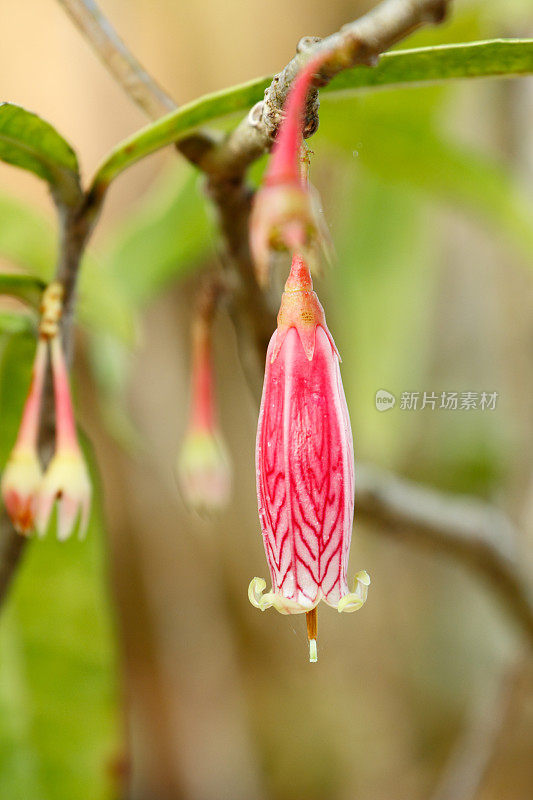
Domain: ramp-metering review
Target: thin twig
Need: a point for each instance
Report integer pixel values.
(120, 61)
(358, 43)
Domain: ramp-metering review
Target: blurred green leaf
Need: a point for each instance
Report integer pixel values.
(17, 322)
(27, 240)
(25, 287)
(478, 59)
(26, 237)
(167, 233)
(59, 721)
(29, 142)
(409, 149)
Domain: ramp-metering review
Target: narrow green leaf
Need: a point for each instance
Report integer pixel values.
(441, 63)
(477, 59)
(25, 287)
(29, 142)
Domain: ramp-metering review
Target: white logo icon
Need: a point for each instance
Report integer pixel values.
(384, 400)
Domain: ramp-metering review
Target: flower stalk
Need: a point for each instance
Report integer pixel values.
(286, 212)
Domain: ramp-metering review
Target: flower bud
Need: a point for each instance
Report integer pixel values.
(305, 465)
(204, 471)
(203, 467)
(22, 473)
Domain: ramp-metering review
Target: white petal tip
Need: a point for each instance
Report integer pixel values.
(313, 655)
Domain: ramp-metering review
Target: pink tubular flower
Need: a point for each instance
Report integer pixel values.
(22, 474)
(66, 478)
(304, 464)
(203, 467)
(285, 214)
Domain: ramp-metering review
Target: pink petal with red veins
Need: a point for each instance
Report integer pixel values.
(305, 473)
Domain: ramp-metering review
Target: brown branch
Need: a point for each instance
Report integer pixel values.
(358, 43)
(475, 534)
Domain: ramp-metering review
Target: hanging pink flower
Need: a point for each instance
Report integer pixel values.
(304, 464)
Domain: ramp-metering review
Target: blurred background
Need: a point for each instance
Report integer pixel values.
(135, 656)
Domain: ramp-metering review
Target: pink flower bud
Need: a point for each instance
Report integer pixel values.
(66, 478)
(203, 468)
(286, 212)
(304, 464)
(22, 474)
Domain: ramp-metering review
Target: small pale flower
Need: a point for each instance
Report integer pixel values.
(20, 485)
(66, 479)
(22, 474)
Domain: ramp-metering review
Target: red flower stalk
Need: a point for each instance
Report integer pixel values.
(304, 464)
(286, 214)
(203, 465)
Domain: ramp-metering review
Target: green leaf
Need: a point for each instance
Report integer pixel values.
(29, 142)
(58, 672)
(165, 235)
(25, 287)
(441, 63)
(478, 59)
